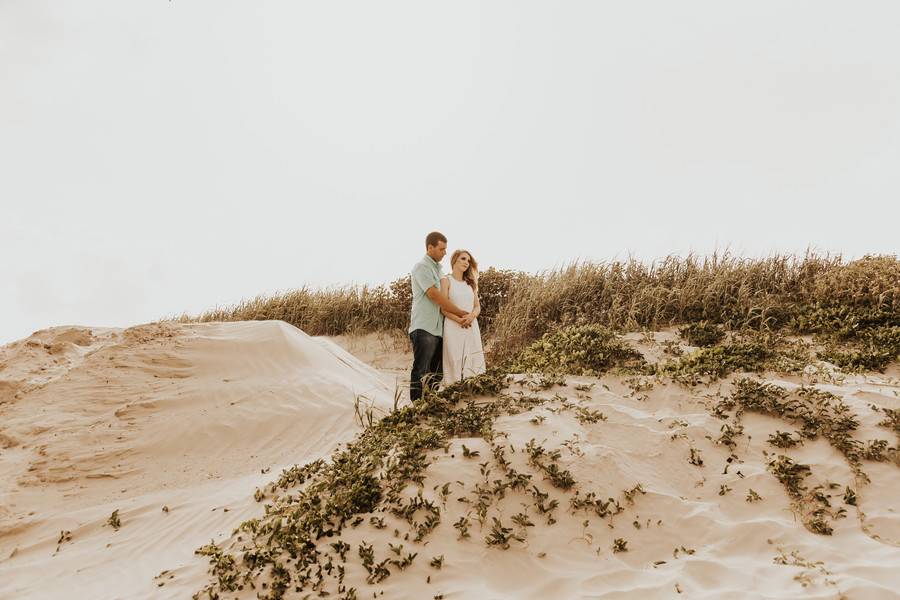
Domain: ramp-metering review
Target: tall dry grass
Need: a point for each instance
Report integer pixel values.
(335, 311)
(810, 293)
(769, 293)
(355, 309)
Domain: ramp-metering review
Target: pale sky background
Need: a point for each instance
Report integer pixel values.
(159, 157)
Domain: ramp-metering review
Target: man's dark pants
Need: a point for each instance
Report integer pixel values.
(427, 369)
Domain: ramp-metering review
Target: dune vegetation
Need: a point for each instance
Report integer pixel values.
(325, 523)
(732, 316)
(852, 308)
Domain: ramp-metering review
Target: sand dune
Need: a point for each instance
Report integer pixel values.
(195, 418)
(181, 416)
(683, 535)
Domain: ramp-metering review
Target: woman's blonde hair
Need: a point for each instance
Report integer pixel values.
(471, 274)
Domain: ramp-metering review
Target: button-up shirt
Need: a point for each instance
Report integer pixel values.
(425, 314)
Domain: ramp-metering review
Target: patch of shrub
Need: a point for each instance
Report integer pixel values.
(783, 439)
(580, 350)
(874, 350)
(366, 475)
(494, 288)
(843, 322)
(891, 419)
(748, 353)
(857, 360)
(815, 412)
(813, 507)
(702, 334)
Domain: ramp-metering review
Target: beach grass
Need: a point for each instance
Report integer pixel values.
(354, 309)
(810, 294)
(852, 307)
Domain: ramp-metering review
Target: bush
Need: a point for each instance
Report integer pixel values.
(874, 351)
(844, 322)
(748, 353)
(582, 350)
(494, 287)
(702, 334)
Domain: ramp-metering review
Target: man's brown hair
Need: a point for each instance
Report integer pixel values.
(433, 238)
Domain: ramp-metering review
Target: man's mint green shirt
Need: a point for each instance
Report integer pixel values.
(425, 314)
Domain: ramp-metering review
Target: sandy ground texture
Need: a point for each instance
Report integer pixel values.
(176, 426)
(172, 425)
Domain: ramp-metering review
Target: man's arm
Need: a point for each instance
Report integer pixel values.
(444, 302)
(445, 291)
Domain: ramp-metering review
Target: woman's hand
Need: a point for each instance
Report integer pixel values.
(466, 321)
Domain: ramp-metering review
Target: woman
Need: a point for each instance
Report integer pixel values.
(463, 354)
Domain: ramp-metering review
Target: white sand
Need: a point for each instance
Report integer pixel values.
(187, 416)
(160, 415)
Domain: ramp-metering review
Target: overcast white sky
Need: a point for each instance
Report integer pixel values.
(159, 157)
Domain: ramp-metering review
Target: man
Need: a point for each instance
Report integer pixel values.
(426, 324)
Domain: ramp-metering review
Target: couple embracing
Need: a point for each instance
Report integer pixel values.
(443, 324)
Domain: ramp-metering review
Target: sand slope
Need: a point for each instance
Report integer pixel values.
(183, 416)
(189, 416)
(689, 531)
(646, 440)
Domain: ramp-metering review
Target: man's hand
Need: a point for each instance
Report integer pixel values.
(466, 321)
(435, 295)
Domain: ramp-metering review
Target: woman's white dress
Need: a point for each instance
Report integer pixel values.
(463, 352)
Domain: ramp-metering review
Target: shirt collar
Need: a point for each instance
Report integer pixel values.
(432, 261)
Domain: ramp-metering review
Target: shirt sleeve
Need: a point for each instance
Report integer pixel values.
(424, 277)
